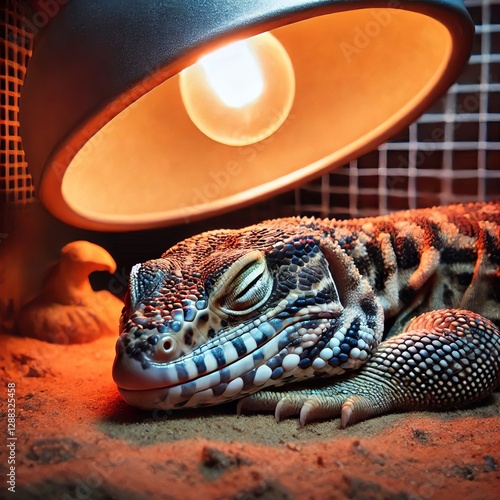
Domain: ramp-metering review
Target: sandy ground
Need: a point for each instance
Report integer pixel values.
(76, 439)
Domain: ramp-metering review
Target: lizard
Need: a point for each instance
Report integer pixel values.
(373, 315)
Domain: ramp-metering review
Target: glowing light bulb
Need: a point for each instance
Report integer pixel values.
(234, 74)
(242, 93)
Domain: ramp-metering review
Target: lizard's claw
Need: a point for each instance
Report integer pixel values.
(287, 407)
(352, 409)
(294, 403)
(309, 408)
(352, 399)
(318, 408)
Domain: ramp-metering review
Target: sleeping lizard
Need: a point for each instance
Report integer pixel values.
(392, 313)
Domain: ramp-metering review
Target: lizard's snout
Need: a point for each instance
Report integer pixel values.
(137, 362)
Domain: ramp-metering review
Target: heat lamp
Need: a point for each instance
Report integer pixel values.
(141, 114)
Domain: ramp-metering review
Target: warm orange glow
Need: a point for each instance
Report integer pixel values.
(241, 93)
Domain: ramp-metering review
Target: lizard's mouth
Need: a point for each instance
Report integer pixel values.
(228, 366)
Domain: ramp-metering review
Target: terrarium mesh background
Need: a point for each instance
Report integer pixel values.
(451, 154)
(16, 45)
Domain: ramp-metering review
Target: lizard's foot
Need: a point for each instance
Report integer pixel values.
(444, 359)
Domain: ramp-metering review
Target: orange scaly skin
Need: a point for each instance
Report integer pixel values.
(228, 313)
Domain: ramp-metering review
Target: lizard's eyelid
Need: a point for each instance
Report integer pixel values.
(246, 285)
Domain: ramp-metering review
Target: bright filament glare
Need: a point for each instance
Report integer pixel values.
(241, 93)
(234, 74)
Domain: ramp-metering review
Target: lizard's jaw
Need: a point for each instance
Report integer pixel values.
(229, 366)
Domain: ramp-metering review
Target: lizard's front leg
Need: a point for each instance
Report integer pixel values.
(444, 359)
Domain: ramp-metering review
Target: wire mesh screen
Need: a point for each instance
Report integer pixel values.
(451, 154)
(15, 50)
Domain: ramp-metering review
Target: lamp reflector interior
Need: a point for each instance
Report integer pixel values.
(358, 76)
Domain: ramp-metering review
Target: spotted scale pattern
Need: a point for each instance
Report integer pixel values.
(445, 359)
(228, 314)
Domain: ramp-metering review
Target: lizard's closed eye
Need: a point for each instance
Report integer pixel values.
(245, 286)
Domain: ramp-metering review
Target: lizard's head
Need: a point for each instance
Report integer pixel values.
(226, 313)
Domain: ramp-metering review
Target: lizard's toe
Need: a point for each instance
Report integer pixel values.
(358, 408)
(303, 403)
(264, 401)
(319, 407)
(352, 399)
(289, 406)
(351, 409)
(283, 406)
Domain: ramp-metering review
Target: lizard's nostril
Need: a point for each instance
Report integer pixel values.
(166, 349)
(168, 345)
